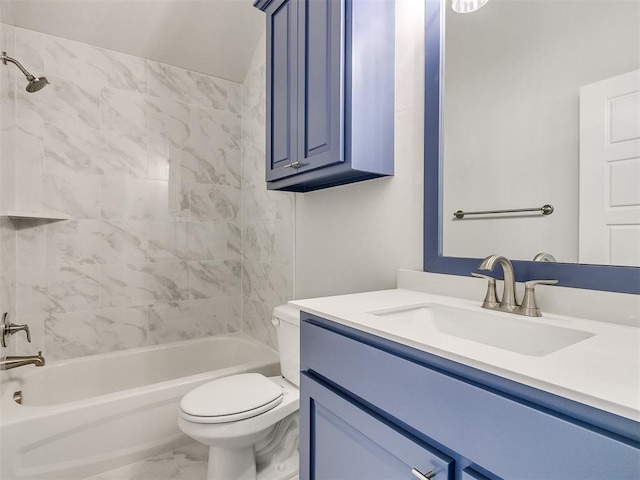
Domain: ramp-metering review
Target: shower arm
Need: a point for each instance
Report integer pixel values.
(6, 59)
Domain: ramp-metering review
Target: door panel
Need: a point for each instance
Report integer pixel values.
(320, 83)
(610, 171)
(282, 87)
(351, 443)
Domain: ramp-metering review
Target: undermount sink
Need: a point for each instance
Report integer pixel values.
(505, 331)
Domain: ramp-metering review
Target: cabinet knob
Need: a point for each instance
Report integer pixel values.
(422, 476)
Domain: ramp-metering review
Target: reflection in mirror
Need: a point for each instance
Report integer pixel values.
(624, 279)
(541, 105)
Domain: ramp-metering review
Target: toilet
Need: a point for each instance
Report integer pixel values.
(249, 421)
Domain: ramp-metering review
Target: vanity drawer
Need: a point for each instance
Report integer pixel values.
(347, 441)
(470, 474)
(506, 437)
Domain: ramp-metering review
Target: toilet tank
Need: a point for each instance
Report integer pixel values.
(286, 319)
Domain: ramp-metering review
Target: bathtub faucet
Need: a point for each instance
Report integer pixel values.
(7, 363)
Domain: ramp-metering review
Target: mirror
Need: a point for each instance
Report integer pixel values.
(519, 75)
(512, 77)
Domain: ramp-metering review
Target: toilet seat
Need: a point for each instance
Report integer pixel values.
(236, 397)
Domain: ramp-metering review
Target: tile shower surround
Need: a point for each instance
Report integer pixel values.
(132, 268)
(7, 164)
(267, 216)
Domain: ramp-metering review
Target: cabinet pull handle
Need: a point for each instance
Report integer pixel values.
(422, 476)
(295, 164)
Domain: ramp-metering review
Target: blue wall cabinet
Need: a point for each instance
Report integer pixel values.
(366, 401)
(330, 92)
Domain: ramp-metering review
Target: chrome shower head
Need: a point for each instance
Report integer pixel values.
(35, 83)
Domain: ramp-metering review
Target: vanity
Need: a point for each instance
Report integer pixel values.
(400, 382)
(419, 384)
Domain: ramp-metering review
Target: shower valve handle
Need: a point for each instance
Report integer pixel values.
(7, 329)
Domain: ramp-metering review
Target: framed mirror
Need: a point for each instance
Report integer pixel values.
(507, 87)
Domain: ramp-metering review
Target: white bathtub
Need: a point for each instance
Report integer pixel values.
(85, 416)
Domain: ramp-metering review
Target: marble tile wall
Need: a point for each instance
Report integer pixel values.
(267, 217)
(7, 193)
(146, 158)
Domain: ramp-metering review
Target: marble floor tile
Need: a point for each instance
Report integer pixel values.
(186, 463)
(160, 467)
(192, 461)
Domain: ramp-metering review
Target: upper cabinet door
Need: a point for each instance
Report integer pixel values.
(282, 88)
(320, 83)
(330, 92)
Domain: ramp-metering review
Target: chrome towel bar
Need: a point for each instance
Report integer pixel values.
(544, 210)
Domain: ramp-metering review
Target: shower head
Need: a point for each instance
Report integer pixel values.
(35, 83)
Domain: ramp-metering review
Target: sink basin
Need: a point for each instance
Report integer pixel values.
(505, 331)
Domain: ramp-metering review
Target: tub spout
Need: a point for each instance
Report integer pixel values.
(8, 363)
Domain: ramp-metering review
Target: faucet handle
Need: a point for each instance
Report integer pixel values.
(533, 283)
(529, 306)
(491, 297)
(13, 328)
(7, 329)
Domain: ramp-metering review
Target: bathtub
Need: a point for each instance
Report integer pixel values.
(89, 415)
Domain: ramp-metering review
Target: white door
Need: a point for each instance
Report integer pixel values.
(610, 171)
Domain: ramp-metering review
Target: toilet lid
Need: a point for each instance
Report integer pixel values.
(232, 398)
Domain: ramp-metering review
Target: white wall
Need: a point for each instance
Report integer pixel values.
(511, 124)
(353, 238)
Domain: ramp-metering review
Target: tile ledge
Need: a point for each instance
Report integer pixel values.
(35, 215)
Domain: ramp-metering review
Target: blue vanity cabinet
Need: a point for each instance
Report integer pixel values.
(375, 397)
(330, 92)
(352, 443)
(470, 474)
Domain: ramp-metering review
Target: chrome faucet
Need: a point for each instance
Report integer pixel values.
(508, 301)
(7, 363)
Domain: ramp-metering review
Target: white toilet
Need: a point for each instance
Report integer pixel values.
(249, 421)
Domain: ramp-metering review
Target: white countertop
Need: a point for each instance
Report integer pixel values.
(602, 371)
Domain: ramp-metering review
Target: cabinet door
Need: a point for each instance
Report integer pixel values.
(470, 474)
(340, 439)
(321, 83)
(282, 87)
